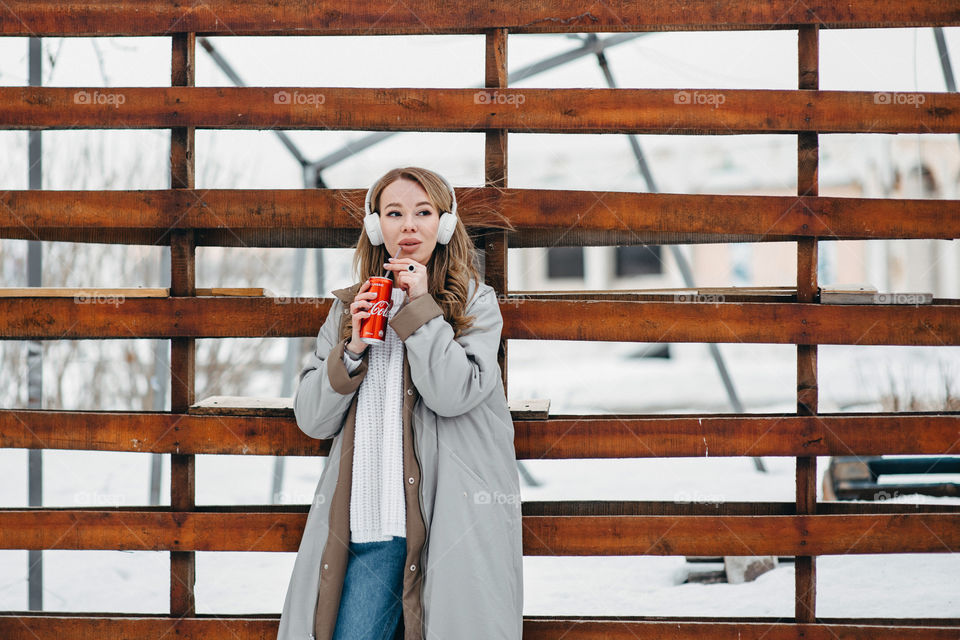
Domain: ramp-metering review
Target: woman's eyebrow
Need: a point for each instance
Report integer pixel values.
(397, 204)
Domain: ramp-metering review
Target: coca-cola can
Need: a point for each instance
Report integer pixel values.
(372, 328)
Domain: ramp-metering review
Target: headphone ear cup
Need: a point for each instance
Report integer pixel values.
(448, 224)
(371, 224)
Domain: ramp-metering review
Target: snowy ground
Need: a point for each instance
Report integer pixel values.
(907, 585)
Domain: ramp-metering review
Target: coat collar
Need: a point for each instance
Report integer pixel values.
(347, 294)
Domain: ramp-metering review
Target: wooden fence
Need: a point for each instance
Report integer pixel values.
(183, 217)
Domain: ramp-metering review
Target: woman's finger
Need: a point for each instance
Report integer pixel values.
(363, 297)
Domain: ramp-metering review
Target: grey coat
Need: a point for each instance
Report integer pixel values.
(463, 578)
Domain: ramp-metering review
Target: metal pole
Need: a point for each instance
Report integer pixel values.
(35, 347)
(289, 370)
(944, 55)
(161, 377)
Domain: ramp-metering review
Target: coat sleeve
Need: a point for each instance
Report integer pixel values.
(326, 388)
(452, 376)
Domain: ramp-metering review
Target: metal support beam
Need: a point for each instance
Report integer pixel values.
(35, 347)
(944, 54)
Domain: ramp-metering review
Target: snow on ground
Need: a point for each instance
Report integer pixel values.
(904, 585)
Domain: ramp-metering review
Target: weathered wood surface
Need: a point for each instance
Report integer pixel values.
(382, 17)
(631, 215)
(30, 625)
(558, 437)
(683, 320)
(542, 535)
(654, 111)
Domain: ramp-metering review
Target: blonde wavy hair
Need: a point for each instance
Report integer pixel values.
(451, 266)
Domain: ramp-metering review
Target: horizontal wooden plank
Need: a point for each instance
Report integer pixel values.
(583, 628)
(692, 505)
(542, 535)
(560, 437)
(682, 320)
(381, 17)
(654, 111)
(157, 432)
(659, 294)
(30, 625)
(347, 238)
(678, 507)
(587, 628)
(775, 293)
(783, 435)
(621, 217)
(127, 292)
(242, 406)
(712, 320)
(535, 409)
(741, 535)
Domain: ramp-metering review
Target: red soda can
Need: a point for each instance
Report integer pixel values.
(372, 329)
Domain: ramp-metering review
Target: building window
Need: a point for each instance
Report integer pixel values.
(641, 260)
(565, 262)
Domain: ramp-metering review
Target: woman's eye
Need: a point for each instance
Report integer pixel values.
(424, 211)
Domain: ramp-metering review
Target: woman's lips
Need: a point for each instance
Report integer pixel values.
(410, 245)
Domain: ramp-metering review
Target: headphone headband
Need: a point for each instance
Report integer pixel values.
(445, 228)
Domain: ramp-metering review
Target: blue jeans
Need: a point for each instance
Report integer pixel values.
(371, 600)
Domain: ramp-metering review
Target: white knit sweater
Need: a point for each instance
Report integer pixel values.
(377, 506)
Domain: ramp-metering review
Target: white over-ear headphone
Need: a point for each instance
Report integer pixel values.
(448, 219)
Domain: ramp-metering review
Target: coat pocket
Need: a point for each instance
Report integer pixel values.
(468, 470)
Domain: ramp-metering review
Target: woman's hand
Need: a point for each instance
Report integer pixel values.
(360, 302)
(413, 282)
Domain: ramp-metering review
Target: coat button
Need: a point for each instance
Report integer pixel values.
(410, 479)
(409, 392)
(413, 567)
(325, 565)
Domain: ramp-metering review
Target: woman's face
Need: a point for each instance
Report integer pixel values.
(408, 220)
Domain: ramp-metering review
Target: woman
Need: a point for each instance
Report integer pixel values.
(414, 531)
